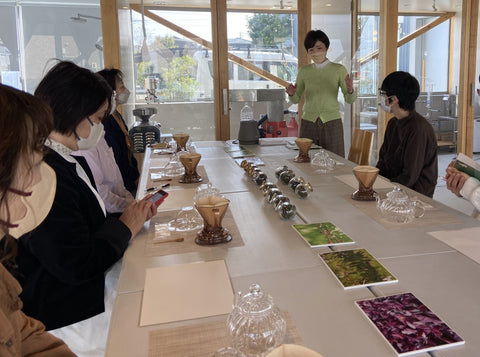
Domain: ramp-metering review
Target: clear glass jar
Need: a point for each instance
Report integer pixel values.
(303, 190)
(256, 325)
(287, 210)
(286, 176)
(279, 170)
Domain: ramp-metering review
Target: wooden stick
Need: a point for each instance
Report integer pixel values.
(169, 240)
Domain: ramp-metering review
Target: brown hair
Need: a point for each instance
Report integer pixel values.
(25, 123)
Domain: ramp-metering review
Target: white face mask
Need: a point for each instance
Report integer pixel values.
(383, 104)
(122, 98)
(113, 103)
(319, 57)
(38, 204)
(93, 138)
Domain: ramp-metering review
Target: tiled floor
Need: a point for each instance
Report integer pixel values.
(441, 193)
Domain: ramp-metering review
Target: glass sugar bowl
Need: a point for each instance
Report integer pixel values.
(256, 325)
(398, 207)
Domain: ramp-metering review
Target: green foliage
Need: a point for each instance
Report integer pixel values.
(356, 267)
(322, 233)
(269, 29)
(178, 78)
(164, 42)
(143, 71)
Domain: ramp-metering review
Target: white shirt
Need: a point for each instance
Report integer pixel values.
(471, 191)
(108, 178)
(65, 152)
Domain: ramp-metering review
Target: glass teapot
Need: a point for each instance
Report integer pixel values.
(256, 325)
(398, 207)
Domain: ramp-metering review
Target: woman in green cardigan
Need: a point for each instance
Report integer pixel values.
(320, 81)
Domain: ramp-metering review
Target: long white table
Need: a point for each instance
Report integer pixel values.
(274, 256)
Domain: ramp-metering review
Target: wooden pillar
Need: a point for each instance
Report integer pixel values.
(355, 43)
(304, 20)
(220, 69)
(110, 33)
(468, 80)
(387, 60)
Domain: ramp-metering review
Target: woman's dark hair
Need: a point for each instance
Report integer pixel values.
(73, 93)
(110, 75)
(404, 86)
(25, 123)
(313, 36)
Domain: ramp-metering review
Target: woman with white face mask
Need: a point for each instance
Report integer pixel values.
(27, 189)
(64, 260)
(320, 81)
(116, 131)
(105, 171)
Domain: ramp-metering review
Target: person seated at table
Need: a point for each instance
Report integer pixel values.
(64, 260)
(27, 188)
(462, 184)
(106, 174)
(116, 131)
(408, 154)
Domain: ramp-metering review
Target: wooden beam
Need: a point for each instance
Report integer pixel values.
(110, 33)
(238, 60)
(355, 42)
(304, 25)
(468, 78)
(220, 70)
(444, 17)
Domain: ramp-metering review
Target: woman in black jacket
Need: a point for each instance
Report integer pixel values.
(64, 260)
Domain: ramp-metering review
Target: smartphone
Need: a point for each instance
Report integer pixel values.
(158, 197)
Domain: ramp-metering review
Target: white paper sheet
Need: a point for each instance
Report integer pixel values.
(187, 291)
(466, 241)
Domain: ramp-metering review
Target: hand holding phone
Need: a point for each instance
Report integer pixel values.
(158, 197)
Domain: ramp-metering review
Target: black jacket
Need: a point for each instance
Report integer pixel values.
(115, 138)
(409, 153)
(62, 262)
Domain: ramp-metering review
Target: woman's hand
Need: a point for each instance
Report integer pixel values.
(455, 179)
(349, 83)
(291, 89)
(137, 213)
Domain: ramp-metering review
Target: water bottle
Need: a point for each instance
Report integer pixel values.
(246, 113)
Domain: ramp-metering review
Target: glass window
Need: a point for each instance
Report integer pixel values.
(9, 60)
(50, 31)
(174, 67)
(423, 57)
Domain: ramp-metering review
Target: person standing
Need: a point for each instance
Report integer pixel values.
(321, 120)
(408, 154)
